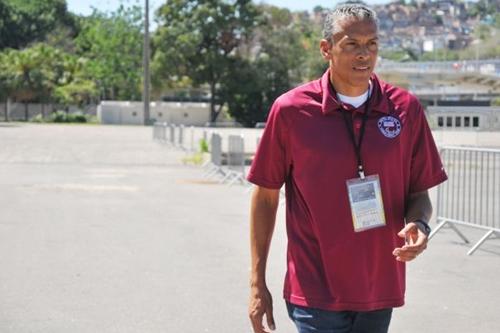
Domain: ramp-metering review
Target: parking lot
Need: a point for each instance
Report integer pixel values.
(104, 230)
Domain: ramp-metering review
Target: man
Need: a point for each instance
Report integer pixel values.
(357, 157)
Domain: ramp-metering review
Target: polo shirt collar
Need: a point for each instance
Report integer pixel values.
(330, 103)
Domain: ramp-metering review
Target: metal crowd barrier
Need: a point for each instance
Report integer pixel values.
(471, 195)
(171, 138)
(235, 160)
(192, 146)
(175, 136)
(214, 165)
(231, 172)
(159, 131)
(234, 169)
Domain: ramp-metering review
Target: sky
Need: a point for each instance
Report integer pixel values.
(84, 7)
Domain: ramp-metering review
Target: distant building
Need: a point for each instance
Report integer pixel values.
(467, 118)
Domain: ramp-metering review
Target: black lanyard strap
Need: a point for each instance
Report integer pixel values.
(357, 144)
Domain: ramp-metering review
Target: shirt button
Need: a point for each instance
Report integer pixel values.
(357, 125)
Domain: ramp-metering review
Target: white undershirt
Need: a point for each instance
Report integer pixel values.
(356, 101)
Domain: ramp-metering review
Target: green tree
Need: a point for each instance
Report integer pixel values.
(23, 76)
(199, 39)
(45, 74)
(284, 43)
(8, 26)
(4, 81)
(482, 32)
(25, 22)
(284, 46)
(244, 93)
(483, 8)
(114, 42)
(75, 86)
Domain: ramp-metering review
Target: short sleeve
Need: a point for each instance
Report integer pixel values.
(270, 166)
(426, 169)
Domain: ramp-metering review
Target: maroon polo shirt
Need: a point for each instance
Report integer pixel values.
(307, 147)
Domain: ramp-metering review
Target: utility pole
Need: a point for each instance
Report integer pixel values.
(145, 93)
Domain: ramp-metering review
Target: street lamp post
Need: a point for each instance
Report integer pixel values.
(145, 94)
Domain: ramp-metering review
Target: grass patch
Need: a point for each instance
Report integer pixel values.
(197, 158)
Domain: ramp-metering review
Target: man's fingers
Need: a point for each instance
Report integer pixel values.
(256, 320)
(416, 243)
(270, 318)
(409, 249)
(261, 304)
(407, 228)
(257, 317)
(404, 255)
(255, 314)
(410, 252)
(419, 245)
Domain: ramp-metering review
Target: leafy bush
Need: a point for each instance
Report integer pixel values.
(63, 117)
(37, 119)
(76, 118)
(92, 119)
(58, 117)
(203, 146)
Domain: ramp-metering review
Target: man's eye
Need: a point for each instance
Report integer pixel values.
(373, 46)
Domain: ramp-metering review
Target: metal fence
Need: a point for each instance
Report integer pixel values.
(216, 150)
(471, 196)
(235, 171)
(225, 166)
(233, 168)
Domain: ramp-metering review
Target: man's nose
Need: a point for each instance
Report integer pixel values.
(363, 52)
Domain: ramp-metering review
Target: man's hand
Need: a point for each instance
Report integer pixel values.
(261, 303)
(416, 243)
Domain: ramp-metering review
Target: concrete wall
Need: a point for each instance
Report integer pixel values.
(132, 113)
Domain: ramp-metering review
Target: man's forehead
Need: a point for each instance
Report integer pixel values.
(355, 28)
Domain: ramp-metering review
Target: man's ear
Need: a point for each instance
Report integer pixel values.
(325, 49)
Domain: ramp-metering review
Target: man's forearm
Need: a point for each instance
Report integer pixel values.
(419, 207)
(262, 221)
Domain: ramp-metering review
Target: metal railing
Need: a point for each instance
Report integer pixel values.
(234, 169)
(175, 135)
(214, 165)
(471, 196)
(225, 167)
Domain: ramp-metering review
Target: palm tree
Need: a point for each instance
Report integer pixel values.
(74, 85)
(4, 84)
(24, 76)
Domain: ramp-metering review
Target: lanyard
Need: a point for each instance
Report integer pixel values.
(357, 145)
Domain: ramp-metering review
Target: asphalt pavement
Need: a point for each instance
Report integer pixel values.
(104, 230)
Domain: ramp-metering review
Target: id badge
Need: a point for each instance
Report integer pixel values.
(367, 207)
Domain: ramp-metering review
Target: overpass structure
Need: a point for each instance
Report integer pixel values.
(477, 80)
(487, 68)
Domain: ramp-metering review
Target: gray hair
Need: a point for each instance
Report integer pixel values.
(344, 11)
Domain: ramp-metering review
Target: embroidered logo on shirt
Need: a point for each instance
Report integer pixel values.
(389, 126)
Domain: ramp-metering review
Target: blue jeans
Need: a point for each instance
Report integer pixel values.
(309, 320)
